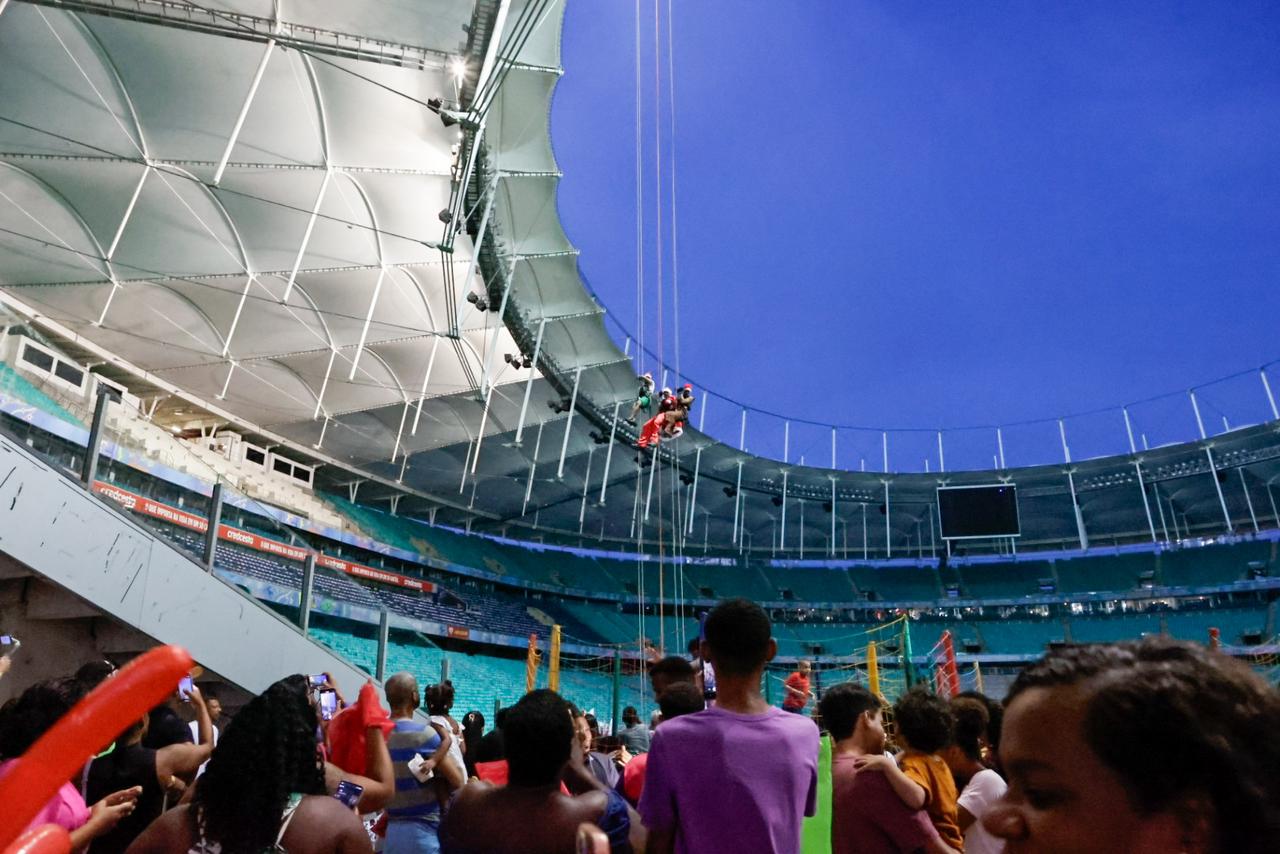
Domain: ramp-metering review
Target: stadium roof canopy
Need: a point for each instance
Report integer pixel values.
(277, 212)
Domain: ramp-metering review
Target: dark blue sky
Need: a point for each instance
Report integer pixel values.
(917, 215)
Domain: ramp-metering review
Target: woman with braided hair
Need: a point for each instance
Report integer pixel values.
(263, 790)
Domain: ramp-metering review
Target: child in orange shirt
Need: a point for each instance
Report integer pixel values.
(920, 777)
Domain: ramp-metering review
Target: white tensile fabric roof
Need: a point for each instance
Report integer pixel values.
(237, 202)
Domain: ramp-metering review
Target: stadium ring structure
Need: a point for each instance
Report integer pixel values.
(331, 226)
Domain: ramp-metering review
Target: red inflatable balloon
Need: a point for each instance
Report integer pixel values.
(49, 839)
(94, 723)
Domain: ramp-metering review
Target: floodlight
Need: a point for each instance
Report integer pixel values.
(445, 216)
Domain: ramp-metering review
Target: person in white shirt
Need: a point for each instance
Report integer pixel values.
(980, 787)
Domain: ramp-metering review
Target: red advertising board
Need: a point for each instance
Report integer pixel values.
(173, 515)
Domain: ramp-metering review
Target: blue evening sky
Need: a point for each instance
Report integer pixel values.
(924, 215)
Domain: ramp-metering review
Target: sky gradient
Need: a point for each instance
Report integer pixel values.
(909, 215)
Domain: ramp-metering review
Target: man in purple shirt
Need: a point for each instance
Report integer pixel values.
(740, 776)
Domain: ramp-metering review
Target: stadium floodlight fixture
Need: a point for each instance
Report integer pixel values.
(445, 216)
(458, 68)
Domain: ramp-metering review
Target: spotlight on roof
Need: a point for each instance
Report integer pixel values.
(473, 297)
(826, 505)
(599, 438)
(777, 500)
(528, 361)
(445, 216)
(458, 68)
(730, 491)
(686, 478)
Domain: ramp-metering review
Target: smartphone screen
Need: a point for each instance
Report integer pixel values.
(328, 704)
(349, 793)
(5, 640)
(184, 688)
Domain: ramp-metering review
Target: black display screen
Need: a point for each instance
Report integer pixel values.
(978, 511)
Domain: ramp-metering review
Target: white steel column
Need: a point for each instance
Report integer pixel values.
(467, 281)
(244, 112)
(737, 502)
(866, 552)
(888, 534)
(484, 421)
(1000, 445)
(782, 540)
(1146, 505)
(306, 234)
(1272, 498)
(404, 416)
(942, 460)
(653, 470)
(1271, 398)
(528, 386)
(324, 384)
(833, 515)
(1248, 500)
(1128, 428)
(1222, 499)
(697, 466)
(533, 466)
(426, 380)
(115, 241)
(235, 319)
(1199, 421)
(568, 421)
(586, 479)
(1164, 525)
(1075, 508)
(786, 443)
(486, 376)
(368, 318)
(466, 466)
(608, 454)
(884, 443)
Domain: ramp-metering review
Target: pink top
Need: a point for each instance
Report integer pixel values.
(66, 808)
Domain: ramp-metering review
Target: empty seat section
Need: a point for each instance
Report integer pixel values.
(1102, 574)
(1113, 627)
(14, 384)
(603, 619)
(1231, 623)
(812, 584)
(729, 582)
(897, 583)
(1195, 567)
(1003, 580)
(1010, 637)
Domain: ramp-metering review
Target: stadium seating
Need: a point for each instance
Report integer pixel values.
(14, 384)
(1002, 580)
(897, 583)
(817, 584)
(1214, 564)
(1113, 627)
(1104, 573)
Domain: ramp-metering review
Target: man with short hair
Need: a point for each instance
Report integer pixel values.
(740, 775)
(868, 817)
(797, 689)
(531, 814)
(634, 734)
(682, 698)
(413, 816)
(670, 671)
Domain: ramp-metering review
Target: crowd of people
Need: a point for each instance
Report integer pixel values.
(1149, 746)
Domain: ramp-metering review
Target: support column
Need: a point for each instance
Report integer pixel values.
(215, 522)
(1222, 499)
(1146, 505)
(737, 502)
(305, 597)
(533, 466)
(1271, 398)
(888, 532)
(1000, 446)
(384, 637)
(484, 422)
(89, 468)
(528, 385)
(1075, 508)
(568, 422)
(1253, 517)
(782, 539)
(608, 454)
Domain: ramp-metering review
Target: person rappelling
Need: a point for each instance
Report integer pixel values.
(644, 398)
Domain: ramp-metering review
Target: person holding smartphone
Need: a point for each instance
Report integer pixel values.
(264, 789)
(154, 772)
